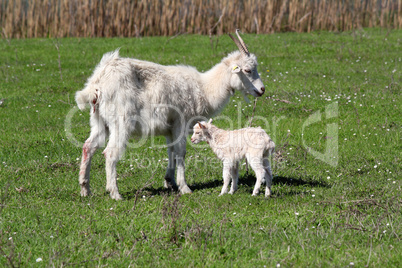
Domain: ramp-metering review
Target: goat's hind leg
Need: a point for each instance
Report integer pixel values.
(268, 177)
(114, 150)
(256, 164)
(96, 138)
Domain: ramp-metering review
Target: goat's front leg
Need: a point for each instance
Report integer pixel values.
(227, 170)
(235, 177)
(170, 182)
(180, 152)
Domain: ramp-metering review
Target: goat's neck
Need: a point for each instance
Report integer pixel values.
(217, 88)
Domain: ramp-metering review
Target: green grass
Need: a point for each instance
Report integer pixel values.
(344, 214)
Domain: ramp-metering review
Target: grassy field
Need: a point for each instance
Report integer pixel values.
(332, 105)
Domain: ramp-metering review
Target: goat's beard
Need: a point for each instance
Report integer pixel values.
(246, 99)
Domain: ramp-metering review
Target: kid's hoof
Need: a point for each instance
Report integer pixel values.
(185, 190)
(116, 196)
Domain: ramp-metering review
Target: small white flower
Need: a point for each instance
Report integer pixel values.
(328, 177)
(39, 260)
(297, 213)
(234, 213)
(384, 231)
(51, 236)
(10, 238)
(111, 208)
(375, 166)
(351, 263)
(313, 195)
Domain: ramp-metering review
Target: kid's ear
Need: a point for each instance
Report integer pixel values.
(201, 125)
(236, 69)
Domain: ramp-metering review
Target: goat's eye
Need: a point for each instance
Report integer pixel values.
(247, 71)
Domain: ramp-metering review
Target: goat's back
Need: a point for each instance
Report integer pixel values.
(150, 96)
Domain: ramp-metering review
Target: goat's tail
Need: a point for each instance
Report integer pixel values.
(91, 94)
(88, 95)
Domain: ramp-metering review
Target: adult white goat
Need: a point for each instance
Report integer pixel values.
(233, 146)
(130, 96)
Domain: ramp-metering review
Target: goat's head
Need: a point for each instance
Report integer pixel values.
(246, 77)
(201, 132)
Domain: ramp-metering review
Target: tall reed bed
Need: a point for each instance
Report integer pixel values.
(107, 18)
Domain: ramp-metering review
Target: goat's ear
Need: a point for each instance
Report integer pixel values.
(236, 69)
(201, 125)
(210, 121)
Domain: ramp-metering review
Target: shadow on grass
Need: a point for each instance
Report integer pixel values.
(247, 180)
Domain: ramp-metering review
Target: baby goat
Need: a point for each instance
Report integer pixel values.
(232, 146)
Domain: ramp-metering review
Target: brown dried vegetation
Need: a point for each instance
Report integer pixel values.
(133, 18)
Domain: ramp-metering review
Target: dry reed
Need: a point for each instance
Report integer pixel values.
(133, 18)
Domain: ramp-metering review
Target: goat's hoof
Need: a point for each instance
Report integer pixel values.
(85, 192)
(170, 184)
(185, 190)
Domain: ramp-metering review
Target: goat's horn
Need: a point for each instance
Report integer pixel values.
(242, 42)
(243, 50)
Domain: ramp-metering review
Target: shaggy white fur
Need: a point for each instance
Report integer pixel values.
(232, 146)
(129, 96)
